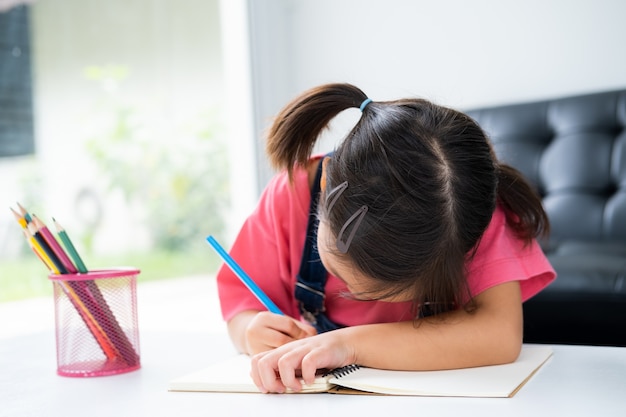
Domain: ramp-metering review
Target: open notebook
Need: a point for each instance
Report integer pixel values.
(232, 375)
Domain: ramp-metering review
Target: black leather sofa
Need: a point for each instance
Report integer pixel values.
(573, 150)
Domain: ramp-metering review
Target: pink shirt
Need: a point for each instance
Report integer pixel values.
(270, 244)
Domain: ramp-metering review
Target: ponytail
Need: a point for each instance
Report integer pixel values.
(526, 215)
(296, 128)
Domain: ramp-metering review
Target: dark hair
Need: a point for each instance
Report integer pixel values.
(429, 179)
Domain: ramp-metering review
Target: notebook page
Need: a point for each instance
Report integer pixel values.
(230, 375)
(487, 381)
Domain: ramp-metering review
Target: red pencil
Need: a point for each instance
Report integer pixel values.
(54, 245)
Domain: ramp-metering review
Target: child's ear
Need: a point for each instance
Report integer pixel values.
(323, 179)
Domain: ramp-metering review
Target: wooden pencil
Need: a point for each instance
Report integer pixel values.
(54, 245)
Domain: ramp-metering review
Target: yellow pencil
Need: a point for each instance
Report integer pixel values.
(20, 219)
(41, 253)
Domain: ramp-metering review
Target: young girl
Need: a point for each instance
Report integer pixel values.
(410, 247)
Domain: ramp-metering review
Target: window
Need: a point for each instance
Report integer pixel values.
(16, 104)
(132, 148)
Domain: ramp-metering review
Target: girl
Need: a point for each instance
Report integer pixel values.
(410, 247)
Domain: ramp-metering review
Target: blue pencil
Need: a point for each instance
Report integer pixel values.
(258, 293)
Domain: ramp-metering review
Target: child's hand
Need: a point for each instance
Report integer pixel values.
(300, 360)
(267, 331)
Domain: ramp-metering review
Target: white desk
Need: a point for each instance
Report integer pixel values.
(577, 381)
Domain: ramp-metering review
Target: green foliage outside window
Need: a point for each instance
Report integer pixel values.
(176, 174)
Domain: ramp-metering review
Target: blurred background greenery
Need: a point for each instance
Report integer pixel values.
(130, 152)
(26, 276)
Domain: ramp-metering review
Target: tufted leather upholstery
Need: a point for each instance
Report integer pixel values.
(573, 150)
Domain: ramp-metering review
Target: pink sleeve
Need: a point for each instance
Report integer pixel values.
(265, 247)
(502, 257)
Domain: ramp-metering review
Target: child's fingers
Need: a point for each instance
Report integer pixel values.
(268, 331)
(288, 326)
(289, 368)
(265, 375)
(306, 330)
(285, 368)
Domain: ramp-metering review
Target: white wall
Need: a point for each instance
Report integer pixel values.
(460, 53)
(238, 110)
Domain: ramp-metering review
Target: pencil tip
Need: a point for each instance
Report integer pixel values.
(16, 214)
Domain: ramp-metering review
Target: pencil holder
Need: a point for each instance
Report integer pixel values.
(96, 322)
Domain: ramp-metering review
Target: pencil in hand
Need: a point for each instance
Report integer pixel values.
(245, 278)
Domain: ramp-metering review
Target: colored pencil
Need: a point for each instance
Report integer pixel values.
(25, 213)
(101, 336)
(54, 245)
(20, 219)
(69, 246)
(245, 278)
(46, 248)
(34, 245)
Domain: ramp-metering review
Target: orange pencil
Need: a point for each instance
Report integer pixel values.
(96, 330)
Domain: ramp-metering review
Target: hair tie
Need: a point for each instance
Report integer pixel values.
(364, 104)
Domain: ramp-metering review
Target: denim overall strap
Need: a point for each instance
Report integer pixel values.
(311, 279)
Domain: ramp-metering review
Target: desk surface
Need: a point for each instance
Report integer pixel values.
(576, 381)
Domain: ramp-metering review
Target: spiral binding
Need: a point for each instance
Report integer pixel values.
(343, 371)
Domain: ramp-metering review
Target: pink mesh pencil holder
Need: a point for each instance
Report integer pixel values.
(96, 322)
